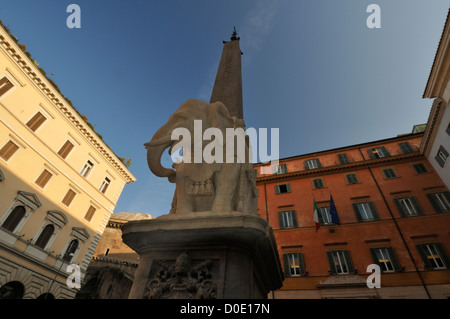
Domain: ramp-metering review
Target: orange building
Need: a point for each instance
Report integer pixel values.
(393, 211)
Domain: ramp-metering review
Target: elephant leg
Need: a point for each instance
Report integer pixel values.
(183, 200)
(226, 188)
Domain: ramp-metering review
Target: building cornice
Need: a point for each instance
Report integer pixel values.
(345, 148)
(439, 74)
(342, 168)
(436, 113)
(15, 53)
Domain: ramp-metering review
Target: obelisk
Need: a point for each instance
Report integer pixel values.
(228, 84)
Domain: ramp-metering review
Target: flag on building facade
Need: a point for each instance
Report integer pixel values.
(333, 212)
(316, 215)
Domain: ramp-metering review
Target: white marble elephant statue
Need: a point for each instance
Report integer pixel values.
(219, 186)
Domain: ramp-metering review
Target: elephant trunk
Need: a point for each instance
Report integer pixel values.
(155, 150)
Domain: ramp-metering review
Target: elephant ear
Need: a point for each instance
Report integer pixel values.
(219, 116)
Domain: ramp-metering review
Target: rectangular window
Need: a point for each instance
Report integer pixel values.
(420, 168)
(312, 164)
(283, 188)
(378, 152)
(389, 173)
(86, 169)
(351, 179)
(340, 262)
(343, 158)
(287, 219)
(65, 149)
(43, 179)
(280, 169)
(5, 85)
(408, 206)
(406, 147)
(36, 121)
(365, 211)
(326, 217)
(69, 197)
(105, 185)
(440, 201)
(8, 150)
(90, 213)
(293, 264)
(386, 259)
(318, 183)
(433, 255)
(441, 156)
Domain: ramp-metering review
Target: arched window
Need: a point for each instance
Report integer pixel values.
(14, 218)
(12, 290)
(70, 250)
(45, 235)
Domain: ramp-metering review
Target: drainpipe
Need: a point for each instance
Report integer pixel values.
(398, 229)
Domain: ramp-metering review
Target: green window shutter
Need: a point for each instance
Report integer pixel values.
(343, 158)
(288, 187)
(331, 262)
(294, 218)
(321, 221)
(358, 214)
(393, 258)
(280, 219)
(319, 165)
(287, 267)
(416, 205)
(385, 151)
(348, 259)
(277, 189)
(424, 257)
(406, 148)
(373, 211)
(371, 154)
(306, 165)
(443, 254)
(435, 202)
(374, 256)
(440, 160)
(302, 264)
(399, 207)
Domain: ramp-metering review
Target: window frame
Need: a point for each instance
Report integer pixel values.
(420, 171)
(318, 183)
(340, 258)
(31, 203)
(389, 173)
(287, 219)
(440, 206)
(349, 182)
(280, 169)
(297, 258)
(387, 253)
(442, 160)
(371, 209)
(441, 252)
(45, 179)
(278, 189)
(316, 164)
(9, 89)
(89, 168)
(408, 206)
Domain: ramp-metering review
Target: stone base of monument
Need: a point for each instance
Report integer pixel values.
(204, 255)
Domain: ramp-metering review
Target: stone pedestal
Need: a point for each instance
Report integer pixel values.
(204, 255)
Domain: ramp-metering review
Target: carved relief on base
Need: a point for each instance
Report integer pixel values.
(182, 279)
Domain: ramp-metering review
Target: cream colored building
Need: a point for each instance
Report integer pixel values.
(59, 182)
(436, 141)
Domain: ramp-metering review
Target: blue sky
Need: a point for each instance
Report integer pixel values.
(313, 69)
